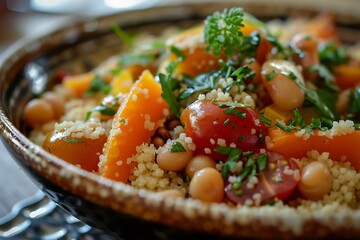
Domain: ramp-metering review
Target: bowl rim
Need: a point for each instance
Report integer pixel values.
(141, 203)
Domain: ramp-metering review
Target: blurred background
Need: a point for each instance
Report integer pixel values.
(19, 18)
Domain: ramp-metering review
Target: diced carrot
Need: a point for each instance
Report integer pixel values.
(122, 82)
(347, 76)
(135, 122)
(339, 147)
(197, 60)
(79, 83)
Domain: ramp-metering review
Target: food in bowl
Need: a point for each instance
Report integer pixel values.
(231, 110)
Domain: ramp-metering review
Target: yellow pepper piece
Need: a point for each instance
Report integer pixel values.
(275, 114)
(122, 82)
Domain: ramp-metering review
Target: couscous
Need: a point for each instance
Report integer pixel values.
(232, 110)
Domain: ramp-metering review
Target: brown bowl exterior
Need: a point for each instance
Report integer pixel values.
(114, 207)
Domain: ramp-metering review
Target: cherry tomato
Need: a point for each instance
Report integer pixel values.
(83, 152)
(278, 180)
(211, 126)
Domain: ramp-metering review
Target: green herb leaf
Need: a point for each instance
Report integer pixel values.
(98, 85)
(292, 75)
(121, 34)
(106, 110)
(324, 103)
(241, 74)
(265, 120)
(73, 140)
(261, 161)
(177, 147)
(168, 94)
(235, 112)
(180, 54)
(222, 31)
(202, 83)
(269, 76)
(331, 54)
(234, 155)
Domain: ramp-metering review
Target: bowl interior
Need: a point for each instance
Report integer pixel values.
(30, 67)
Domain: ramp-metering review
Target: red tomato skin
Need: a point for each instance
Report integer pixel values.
(268, 187)
(208, 126)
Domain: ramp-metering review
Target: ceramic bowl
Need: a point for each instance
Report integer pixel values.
(26, 69)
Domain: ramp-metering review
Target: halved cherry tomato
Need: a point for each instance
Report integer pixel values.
(83, 152)
(273, 182)
(211, 126)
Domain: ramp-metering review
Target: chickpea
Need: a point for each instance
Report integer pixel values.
(197, 163)
(172, 193)
(284, 91)
(38, 111)
(173, 161)
(315, 181)
(207, 185)
(57, 102)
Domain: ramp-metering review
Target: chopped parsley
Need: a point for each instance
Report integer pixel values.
(73, 140)
(269, 76)
(98, 85)
(227, 122)
(331, 54)
(177, 147)
(202, 83)
(230, 108)
(241, 74)
(292, 75)
(264, 119)
(235, 112)
(108, 107)
(234, 155)
(298, 123)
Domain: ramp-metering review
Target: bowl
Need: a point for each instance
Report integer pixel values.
(27, 68)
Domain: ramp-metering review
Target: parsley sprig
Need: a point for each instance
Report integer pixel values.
(222, 31)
